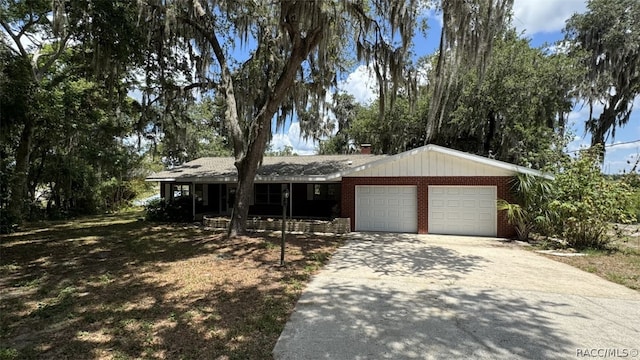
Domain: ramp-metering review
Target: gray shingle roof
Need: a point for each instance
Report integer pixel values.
(306, 167)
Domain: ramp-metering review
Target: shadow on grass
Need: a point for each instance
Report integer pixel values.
(114, 287)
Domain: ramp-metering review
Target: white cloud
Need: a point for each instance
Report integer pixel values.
(578, 143)
(544, 16)
(361, 84)
(292, 138)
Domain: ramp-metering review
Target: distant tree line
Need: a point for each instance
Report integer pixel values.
(96, 94)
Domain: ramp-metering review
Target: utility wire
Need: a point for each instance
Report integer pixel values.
(621, 143)
(607, 146)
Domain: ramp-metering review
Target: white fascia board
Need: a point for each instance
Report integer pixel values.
(152, 179)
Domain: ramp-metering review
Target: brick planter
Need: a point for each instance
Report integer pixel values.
(336, 226)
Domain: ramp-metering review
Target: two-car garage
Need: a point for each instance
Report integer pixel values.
(459, 210)
(430, 189)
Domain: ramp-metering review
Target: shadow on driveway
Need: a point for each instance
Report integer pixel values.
(395, 296)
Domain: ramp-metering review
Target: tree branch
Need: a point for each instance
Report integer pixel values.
(15, 38)
(62, 45)
(231, 112)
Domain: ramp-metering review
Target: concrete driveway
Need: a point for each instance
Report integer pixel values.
(398, 296)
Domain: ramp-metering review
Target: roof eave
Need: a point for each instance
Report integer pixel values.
(232, 179)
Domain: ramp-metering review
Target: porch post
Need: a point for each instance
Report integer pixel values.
(193, 199)
(290, 200)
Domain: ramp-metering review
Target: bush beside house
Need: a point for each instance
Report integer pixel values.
(579, 206)
(174, 210)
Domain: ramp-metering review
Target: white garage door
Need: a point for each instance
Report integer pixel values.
(463, 210)
(387, 208)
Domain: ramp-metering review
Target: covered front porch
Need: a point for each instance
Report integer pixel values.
(306, 200)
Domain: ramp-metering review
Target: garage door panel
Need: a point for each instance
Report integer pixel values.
(487, 205)
(462, 210)
(485, 217)
(394, 202)
(408, 190)
(469, 203)
(468, 216)
(386, 208)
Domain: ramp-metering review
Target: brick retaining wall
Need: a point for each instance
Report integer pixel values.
(336, 226)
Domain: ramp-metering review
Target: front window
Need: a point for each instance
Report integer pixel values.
(199, 192)
(180, 190)
(268, 194)
(326, 191)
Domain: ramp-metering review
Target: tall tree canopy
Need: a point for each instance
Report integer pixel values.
(295, 51)
(468, 31)
(52, 49)
(517, 110)
(606, 39)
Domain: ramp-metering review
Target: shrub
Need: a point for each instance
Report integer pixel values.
(175, 210)
(528, 213)
(8, 223)
(585, 202)
(115, 194)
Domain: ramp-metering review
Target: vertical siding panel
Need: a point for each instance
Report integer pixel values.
(424, 160)
(443, 165)
(462, 169)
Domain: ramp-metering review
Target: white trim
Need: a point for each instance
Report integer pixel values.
(152, 179)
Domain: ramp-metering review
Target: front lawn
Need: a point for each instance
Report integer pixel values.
(620, 263)
(113, 287)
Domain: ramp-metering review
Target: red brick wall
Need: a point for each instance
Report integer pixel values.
(348, 201)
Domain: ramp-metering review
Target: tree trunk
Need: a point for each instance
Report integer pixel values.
(491, 132)
(247, 168)
(244, 191)
(606, 121)
(15, 207)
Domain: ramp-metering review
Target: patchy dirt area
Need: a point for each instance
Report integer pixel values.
(112, 287)
(620, 263)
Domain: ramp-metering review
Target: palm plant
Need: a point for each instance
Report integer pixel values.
(528, 212)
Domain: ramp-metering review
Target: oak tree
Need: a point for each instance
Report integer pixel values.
(269, 59)
(606, 40)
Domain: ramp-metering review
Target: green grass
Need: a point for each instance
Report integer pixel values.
(114, 287)
(9, 353)
(619, 264)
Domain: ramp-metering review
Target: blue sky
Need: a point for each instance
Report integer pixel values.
(541, 21)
